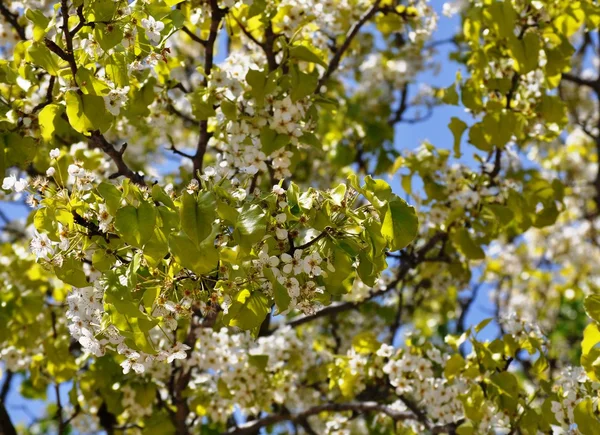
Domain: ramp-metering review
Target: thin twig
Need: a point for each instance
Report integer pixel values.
(13, 20)
(337, 57)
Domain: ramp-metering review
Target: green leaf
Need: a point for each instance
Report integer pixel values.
(501, 17)
(71, 272)
(197, 215)
(303, 84)
(400, 223)
(592, 306)
(251, 226)
(302, 52)
(87, 112)
(454, 366)
(47, 119)
(525, 52)
(272, 141)
(365, 342)
(18, 149)
(89, 84)
(591, 337)
(229, 109)
(585, 417)
(159, 195)
(156, 248)
(43, 57)
(248, 310)
(108, 36)
(40, 23)
(201, 259)
(257, 80)
(457, 127)
(465, 244)
(202, 105)
(116, 70)
(136, 225)
(111, 195)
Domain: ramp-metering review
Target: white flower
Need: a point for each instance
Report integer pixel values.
(251, 170)
(265, 259)
(41, 246)
(291, 284)
(130, 363)
(292, 263)
(50, 172)
(55, 153)
(281, 218)
(75, 170)
(115, 99)
(153, 28)
(278, 190)
(178, 352)
(21, 185)
(311, 264)
(281, 233)
(104, 218)
(11, 182)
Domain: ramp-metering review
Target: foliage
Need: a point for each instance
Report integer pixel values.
(213, 247)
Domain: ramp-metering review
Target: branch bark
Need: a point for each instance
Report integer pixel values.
(99, 141)
(409, 262)
(217, 15)
(357, 407)
(337, 57)
(13, 20)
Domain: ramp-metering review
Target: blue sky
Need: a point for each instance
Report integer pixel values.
(408, 137)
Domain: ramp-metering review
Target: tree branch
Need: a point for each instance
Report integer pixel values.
(13, 20)
(99, 141)
(6, 425)
(6, 385)
(217, 15)
(409, 263)
(592, 84)
(193, 36)
(357, 407)
(337, 57)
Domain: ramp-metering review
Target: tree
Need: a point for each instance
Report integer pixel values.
(212, 246)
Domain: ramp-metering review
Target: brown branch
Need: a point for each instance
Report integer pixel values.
(217, 15)
(179, 153)
(97, 140)
(185, 118)
(6, 425)
(313, 241)
(64, 7)
(48, 99)
(59, 410)
(54, 48)
(398, 114)
(247, 33)
(357, 407)
(337, 57)
(592, 84)
(6, 385)
(193, 36)
(13, 20)
(409, 262)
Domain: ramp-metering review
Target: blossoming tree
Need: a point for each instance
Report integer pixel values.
(224, 237)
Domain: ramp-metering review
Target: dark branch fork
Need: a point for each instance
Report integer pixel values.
(337, 57)
(217, 15)
(358, 407)
(13, 20)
